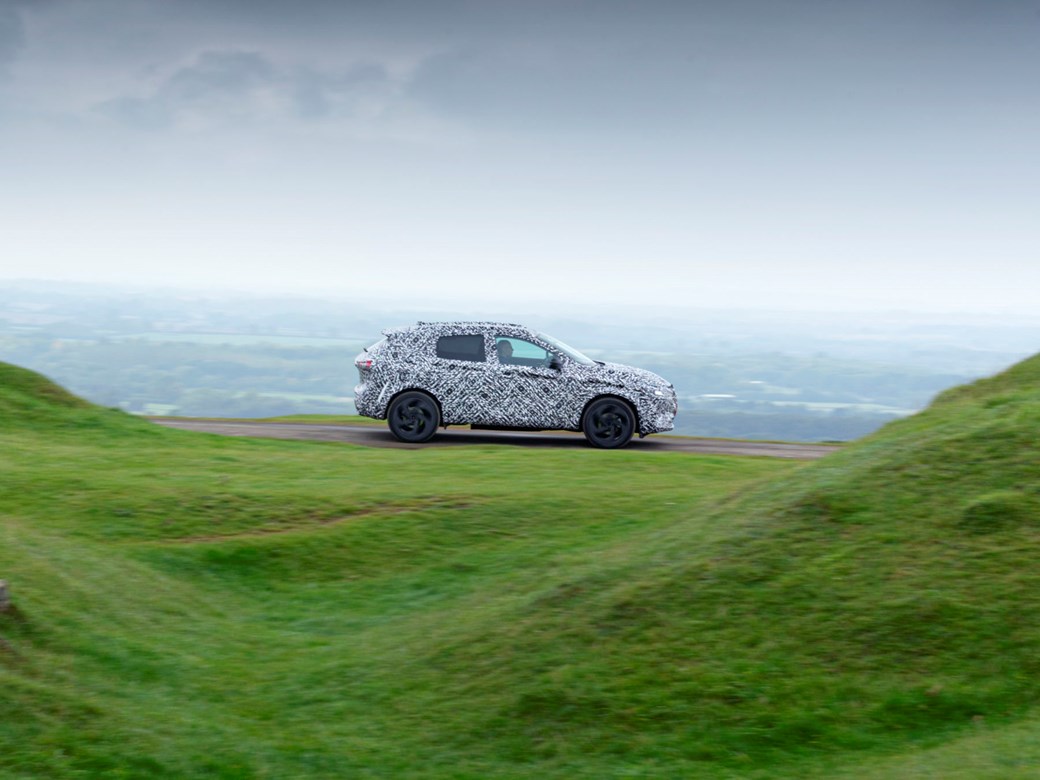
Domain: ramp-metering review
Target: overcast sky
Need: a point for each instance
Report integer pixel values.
(766, 153)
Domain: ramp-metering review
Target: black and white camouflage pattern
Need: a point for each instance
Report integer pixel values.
(501, 395)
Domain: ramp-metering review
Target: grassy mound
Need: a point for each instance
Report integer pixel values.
(886, 593)
(25, 393)
(191, 606)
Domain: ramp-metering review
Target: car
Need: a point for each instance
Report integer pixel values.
(502, 376)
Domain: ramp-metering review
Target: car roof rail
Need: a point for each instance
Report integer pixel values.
(479, 323)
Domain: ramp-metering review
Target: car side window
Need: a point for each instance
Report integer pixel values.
(469, 347)
(518, 352)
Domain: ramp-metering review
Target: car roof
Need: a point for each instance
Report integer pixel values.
(469, 324)
(451, 325)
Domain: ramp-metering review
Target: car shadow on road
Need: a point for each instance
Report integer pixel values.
(464, 437)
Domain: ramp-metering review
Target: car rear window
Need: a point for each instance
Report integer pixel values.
(461, 348)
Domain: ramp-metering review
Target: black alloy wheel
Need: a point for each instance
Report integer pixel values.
(609, 423)
(413, 417)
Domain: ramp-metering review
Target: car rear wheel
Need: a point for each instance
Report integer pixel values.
(609, 423)
(413, 417)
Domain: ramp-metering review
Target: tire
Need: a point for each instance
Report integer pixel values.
(609, 423)
(413, 417)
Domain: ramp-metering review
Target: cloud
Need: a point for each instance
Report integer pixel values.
(221, 87)
(218, 75)
(362, 89)
(12, 34)
(216, 86)
(582, 87)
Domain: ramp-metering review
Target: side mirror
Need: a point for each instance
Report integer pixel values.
(555, 363)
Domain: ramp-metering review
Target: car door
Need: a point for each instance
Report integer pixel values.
(461, 379)
(527, 392)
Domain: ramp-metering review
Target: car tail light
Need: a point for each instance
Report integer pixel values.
(364, 363)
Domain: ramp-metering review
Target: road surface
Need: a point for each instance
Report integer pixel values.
(379, 436)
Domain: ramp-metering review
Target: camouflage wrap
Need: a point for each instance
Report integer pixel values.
(501, 394)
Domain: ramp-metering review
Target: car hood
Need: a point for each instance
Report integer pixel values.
(629, 376)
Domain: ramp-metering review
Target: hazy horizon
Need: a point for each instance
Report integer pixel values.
(753, 154)
(498, 305)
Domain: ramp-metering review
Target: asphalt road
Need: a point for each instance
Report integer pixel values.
(379, 436)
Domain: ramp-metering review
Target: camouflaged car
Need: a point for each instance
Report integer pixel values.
(492, 375)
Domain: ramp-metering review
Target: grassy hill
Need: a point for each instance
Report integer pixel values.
(195, 606)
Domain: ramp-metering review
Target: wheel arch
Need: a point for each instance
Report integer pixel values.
(424, 391)
(614, 397)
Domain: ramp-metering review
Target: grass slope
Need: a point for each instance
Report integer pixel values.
(191, 606)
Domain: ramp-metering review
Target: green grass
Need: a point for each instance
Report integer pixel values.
(196, 606)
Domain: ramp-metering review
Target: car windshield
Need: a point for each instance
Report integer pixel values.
(570, 352)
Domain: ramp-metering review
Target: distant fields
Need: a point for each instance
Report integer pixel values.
(197, 606)
(779, 376)
(246, 339)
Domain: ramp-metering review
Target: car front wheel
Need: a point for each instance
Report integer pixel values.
(413, 417)
(609, 423)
